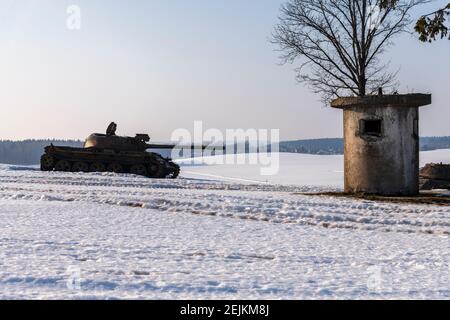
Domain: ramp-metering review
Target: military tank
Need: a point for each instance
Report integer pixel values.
(435, 176)
(111, 153)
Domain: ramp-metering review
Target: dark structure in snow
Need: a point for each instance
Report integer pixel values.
(109, 152)
(435, 176)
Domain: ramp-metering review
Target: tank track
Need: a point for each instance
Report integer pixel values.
(161, 169)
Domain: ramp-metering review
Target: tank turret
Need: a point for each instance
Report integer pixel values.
(110, 141)
(118, 143)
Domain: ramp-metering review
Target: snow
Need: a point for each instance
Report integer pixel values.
(315, 170)
(295, 169)
(436, 156)
(218, 232)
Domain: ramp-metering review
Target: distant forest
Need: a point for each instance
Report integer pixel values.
(314, 146)
(28, 152)
(336, 146)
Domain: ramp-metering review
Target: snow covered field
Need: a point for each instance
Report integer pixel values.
(217, 232)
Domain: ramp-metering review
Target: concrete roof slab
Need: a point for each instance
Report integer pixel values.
(396, 100)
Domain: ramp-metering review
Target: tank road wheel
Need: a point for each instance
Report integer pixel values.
(63, 165)
(47, 162)
(115, 167)
(156, 170)
(80, 166)
(97, 167)
(139, 169)
(175, 172)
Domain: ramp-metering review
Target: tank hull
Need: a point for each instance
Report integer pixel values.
(147, 164)
(435, 176)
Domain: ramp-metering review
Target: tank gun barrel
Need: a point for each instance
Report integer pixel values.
(192, 146)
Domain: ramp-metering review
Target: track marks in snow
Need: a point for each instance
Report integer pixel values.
(259, 202)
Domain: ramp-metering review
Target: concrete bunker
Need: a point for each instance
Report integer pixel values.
(381, 148)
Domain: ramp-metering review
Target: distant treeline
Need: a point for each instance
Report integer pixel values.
(28, 152)
(314, 146)
(336, 146)
(434, 143)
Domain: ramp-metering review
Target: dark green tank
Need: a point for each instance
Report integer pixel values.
(435, 176)
(109, 152)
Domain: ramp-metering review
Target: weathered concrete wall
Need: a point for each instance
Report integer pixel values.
(385, 164)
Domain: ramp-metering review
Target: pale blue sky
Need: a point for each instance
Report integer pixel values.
(154, 66)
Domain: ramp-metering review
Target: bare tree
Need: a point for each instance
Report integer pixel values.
(339, 42)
